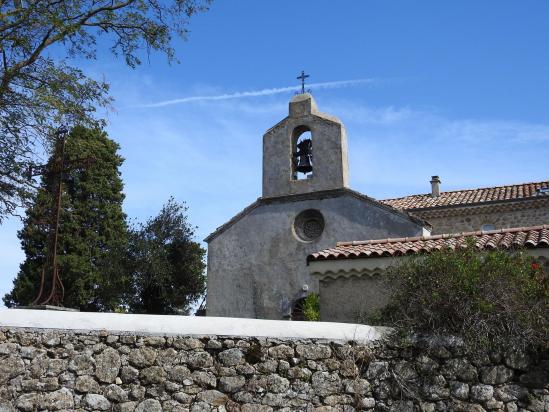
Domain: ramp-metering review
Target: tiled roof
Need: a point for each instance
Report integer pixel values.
(470, 196)
(528, 237)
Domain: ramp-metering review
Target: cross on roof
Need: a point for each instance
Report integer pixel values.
(302, 77)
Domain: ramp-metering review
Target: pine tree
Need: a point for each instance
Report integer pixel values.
(92, 224)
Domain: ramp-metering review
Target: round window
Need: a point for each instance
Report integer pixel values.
(309, 225)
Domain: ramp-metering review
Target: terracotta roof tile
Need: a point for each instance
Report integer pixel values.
(470, 196)
(529, 237)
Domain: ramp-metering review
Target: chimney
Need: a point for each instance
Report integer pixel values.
(435, 186)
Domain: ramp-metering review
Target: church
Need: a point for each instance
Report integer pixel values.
(258, 262)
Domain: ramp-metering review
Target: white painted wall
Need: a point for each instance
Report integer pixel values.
(187, 325)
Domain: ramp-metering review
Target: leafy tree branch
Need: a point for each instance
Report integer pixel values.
(38, 92)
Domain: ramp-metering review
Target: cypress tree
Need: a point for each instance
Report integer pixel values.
(92, 225)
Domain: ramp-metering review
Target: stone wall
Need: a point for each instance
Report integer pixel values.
(470, 220)
(63, 370)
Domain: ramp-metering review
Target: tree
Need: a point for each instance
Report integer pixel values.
(37, 92)
(164, 265)
(92, 225)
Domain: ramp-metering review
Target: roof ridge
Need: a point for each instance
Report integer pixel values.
(319, 194)
(391, 208)
(467, 190)
(442, 236)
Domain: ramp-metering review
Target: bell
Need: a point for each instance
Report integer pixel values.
(304, 156)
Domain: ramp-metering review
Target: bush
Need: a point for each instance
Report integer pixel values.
(311, 307)
(489, 298)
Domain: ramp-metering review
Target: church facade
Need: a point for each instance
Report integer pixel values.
(257, 265)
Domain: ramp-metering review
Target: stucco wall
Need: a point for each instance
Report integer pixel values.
(353, 299)
(257, 267)
(351, 290)
(53, 370)
(469, 219)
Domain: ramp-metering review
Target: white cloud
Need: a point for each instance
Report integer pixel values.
(438, 127)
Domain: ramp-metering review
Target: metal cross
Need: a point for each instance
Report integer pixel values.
(56, 166)
(302, 78)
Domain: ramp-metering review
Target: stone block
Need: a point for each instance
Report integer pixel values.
(481, 393)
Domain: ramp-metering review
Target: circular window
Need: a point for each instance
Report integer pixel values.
(309, 225)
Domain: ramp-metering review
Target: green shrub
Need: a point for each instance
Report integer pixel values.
(311, 307)
(489, 298)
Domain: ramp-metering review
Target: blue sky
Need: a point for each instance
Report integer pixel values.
(459, 89)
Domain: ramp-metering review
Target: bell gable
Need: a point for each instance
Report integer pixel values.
(306, 152)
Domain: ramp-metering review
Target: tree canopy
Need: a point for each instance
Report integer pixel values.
(104, 263)
(92, 225)
(37, 92)
(163, 265)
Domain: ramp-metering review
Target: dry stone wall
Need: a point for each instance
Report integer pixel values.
(62, 370)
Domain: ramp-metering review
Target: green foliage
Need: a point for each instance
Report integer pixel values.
(490, 298)
(37, 92)
(92, 224)
(311, 307)
(163, 265)
(155, 267)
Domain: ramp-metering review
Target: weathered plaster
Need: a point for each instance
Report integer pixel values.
(257, 266)
(330, 164)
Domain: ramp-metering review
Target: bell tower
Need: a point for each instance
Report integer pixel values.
(305, 152)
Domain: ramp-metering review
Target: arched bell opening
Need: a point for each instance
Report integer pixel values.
(302, 153)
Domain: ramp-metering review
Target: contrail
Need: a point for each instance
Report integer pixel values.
(255, 93)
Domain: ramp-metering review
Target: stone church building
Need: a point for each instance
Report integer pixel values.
(266, 259)
(257, 260)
